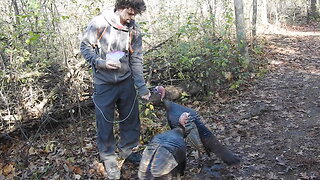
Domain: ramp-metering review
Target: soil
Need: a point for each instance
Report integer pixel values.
(273, 124)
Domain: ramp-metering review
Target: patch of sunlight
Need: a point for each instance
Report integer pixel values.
(286, 50)
(276, 29)
(275, 62)
(312, 71)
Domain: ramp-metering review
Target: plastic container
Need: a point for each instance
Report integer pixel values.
(114, 58)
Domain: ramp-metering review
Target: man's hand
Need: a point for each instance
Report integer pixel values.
(110, 65)
(103, 64)
(146, 96)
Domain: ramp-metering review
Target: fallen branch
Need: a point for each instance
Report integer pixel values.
(60, 116)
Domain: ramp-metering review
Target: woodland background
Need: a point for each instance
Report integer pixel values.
(205, 47)
(185, 42)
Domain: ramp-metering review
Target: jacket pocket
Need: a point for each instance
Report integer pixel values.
(124, 65)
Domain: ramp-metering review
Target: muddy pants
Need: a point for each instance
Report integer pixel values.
(122, 96)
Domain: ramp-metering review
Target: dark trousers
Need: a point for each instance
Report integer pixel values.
(122, 96)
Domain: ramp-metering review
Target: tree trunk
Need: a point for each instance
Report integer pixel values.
(254, 21)
(313, 8)
(3, 59)
(264, 13)
(240, 28)
(211, 13)
(16, 11)
(277, 20)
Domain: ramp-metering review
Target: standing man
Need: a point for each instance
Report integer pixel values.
(112, 44)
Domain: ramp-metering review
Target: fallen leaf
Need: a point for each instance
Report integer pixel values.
(77, 170)
(272, 175)
(304, 175)
(100, 169)
(237, 139)
(7, 169)
(32, 151)
(196, 103)
(77, 176)
(68, 166)
(91, 171)
(228, 76)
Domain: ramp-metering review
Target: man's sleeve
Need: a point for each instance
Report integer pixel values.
(136, 60)
(86, 46)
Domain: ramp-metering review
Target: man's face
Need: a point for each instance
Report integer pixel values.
(126, 15)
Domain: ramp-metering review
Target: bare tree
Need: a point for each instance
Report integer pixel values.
(254, 20)
(264, 12)
(16, 10)
(240, 27)
(313, 8)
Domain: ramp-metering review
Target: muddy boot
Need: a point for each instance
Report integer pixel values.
(112, 169)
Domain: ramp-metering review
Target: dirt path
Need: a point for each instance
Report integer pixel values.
(287, 129)
(276, 122)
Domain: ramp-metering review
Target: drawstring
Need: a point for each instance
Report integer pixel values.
(111, 39)
(128, 47)
(120, 121)
(128, 41)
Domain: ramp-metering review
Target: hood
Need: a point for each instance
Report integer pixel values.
(114, 20)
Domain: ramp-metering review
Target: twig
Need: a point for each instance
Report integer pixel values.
(158, 45)
(20, 124)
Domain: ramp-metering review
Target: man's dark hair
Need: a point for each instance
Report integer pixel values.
(138, 5)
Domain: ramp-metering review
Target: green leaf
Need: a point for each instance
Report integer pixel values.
(65, 17)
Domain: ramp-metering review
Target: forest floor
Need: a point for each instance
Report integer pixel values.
(273, 124)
